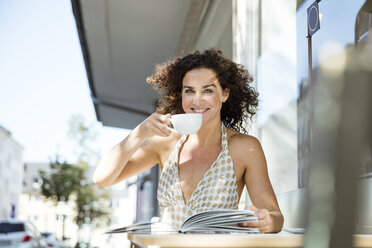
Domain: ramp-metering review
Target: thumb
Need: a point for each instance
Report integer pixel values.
(167, 119)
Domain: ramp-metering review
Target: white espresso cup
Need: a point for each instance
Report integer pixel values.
(186, 123)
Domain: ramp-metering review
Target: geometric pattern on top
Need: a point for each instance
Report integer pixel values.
(216, 190)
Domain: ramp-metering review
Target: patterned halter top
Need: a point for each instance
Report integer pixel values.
(216, 190)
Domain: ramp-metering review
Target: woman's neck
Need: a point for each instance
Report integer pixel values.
(209, 134)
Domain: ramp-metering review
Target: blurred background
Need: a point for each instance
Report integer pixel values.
(72, 85)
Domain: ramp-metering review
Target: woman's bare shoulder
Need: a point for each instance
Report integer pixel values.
(164, 147)
(159, 143)
(243, 145)
(243, 139)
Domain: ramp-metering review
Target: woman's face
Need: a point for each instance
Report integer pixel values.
(202, 93)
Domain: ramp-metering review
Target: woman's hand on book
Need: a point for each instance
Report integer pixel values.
(264, 222)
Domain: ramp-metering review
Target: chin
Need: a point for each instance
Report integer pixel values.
(206, 118)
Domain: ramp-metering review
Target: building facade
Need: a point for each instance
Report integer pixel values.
(287, 74)
(11, 174)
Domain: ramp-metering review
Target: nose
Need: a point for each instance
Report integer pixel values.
(197, 99)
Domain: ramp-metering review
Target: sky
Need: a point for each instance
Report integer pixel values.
(43, 79)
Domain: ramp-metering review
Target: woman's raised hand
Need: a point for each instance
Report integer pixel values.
(155, 125)
(129, 157)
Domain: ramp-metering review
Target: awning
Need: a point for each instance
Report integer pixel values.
(122, 41)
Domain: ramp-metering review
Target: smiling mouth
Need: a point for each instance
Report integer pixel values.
(199, 110)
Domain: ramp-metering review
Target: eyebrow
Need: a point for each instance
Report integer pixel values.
(205, 86)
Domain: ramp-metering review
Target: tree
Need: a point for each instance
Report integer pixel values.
(62, 182)
(84, 136)
(92, 204)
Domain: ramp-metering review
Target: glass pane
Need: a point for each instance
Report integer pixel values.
(11, 227)
(276, 83)
(336, 32)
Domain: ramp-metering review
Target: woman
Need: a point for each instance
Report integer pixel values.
(209, 169)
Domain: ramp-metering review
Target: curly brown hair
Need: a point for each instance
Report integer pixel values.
(243, 98)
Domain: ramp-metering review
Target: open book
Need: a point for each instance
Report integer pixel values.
(211, 221)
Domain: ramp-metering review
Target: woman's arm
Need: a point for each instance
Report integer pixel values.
(136, 153)
(257, 181)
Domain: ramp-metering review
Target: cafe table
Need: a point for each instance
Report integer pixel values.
(282, 239)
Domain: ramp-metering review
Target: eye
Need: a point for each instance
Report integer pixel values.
(189, 91)
(208, 91)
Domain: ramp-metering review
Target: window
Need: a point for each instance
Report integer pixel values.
(6, 227)
(363, 24)
(338, 30)
(276, 83)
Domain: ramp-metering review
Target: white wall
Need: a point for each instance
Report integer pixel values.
(31, 180)
(11, 174)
